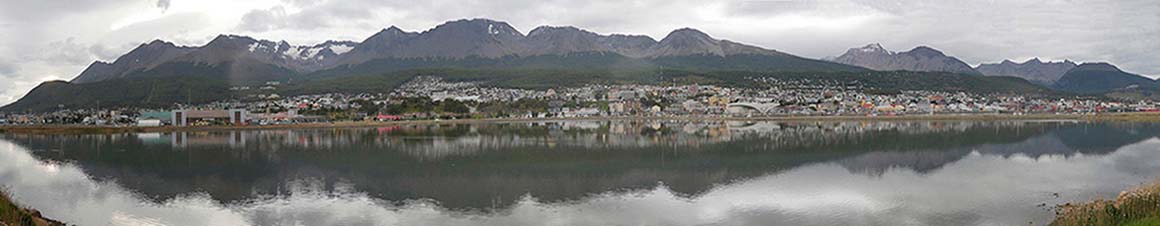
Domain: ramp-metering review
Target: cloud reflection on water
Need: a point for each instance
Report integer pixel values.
(989, 185)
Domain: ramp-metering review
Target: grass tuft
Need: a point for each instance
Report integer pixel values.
(1140, 206)
(13, 215)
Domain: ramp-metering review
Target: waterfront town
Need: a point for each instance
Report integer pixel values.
(426, 98)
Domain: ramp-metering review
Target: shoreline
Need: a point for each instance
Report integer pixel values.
(92, 129)
(1139, 205)
(13, 214)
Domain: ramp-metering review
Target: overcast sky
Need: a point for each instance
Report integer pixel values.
(43, 40)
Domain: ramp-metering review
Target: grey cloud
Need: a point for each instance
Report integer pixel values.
(35, 10)
(975, 31)
(263, 20)
(314, 17)
(53, 40)
(301, 3)
(891, 6)
(163, 4)
(1132, 42)
(1121, 32)
(769, 8)
(108, 53)
(636, 16)
(7, 69)
(65, 51)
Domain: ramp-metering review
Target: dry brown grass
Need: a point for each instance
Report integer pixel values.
(1140, 206)
(13, 215)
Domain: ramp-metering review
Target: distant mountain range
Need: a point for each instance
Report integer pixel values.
(237, 57)
(922, 58)
(476, 43)
(1093, 78)
(493, 39)
(160, 73)
(1088, 78)
(1033, 70)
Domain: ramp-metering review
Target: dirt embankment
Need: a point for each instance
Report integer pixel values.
(13, 215)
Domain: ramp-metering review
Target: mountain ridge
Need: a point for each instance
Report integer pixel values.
(243, 59)
(1102, 77)
(1034, 70)
(920, 58)
(143, 57)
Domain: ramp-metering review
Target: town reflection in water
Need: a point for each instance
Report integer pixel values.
(720, 172)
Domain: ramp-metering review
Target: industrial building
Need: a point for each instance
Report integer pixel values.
(209, 117)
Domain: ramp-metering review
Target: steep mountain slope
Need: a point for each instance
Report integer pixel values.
(749, 62)
(921, 58)
(635, 46)
(1092, 78)
(550, 78)
(240, 58)
(691, 42)
(98, 70)
(135, 92)
(686, 42)
(493, 39)
(1033, 70)
(144, 57)
(548, 40)
(487, 44)
(451, 40)
(474, 43)
(306, 58)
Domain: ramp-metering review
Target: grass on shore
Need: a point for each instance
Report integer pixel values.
(1137, 207)
(13, 215)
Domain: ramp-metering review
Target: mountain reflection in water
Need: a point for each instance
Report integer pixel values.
(803, 173)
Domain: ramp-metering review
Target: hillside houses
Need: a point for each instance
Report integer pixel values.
(432, 97)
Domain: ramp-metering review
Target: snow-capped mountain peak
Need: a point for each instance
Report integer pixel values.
(874, 48)
(292, 53)
(921, 58)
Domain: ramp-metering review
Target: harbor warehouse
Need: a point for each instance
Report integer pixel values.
(209, 117)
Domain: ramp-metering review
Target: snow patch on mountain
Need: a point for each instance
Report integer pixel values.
(491, 29)
(340, 49)
(309, 53)
(300, 53)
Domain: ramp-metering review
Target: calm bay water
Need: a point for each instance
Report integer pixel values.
(584, 173)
